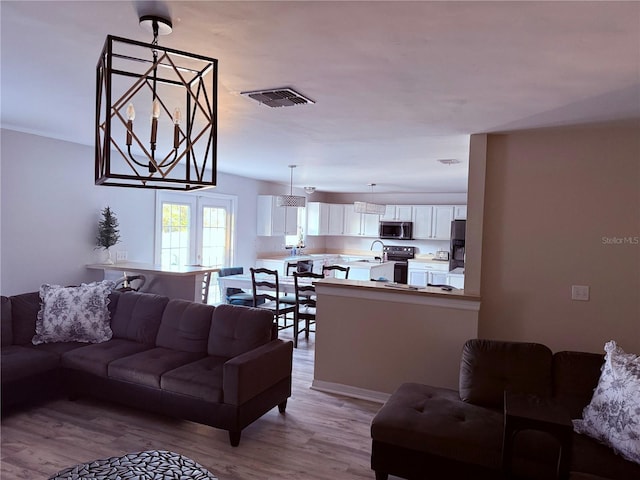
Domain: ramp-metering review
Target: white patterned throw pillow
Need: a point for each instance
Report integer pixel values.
(74, 314)
(613, 416)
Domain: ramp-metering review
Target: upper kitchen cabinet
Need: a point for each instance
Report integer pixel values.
(360, 224)
(460, 212)
(399, 213)
(274, 220)
(317, 218)
(432, 222)
(336, 219)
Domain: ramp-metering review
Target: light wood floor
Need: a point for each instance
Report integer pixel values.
(321, 436)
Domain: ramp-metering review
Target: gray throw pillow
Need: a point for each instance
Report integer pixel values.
(74, 314)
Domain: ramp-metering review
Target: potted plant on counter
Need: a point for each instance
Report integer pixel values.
(108, 233)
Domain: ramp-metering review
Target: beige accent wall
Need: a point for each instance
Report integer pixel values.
(562, 208)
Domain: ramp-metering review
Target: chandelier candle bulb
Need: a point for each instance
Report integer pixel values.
(176, 128)
(131, 116)
(154, 122)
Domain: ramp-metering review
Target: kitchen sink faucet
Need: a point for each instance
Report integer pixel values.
(380, 242)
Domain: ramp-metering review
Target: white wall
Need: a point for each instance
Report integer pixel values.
(49, 209)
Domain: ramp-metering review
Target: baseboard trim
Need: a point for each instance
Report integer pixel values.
(350, 391)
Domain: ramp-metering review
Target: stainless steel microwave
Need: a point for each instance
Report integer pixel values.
(396, 230)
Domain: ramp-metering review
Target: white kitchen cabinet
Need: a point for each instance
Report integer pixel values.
(421, 273)
(370, 225)
(419, 278)
(441, 222)
(274, 220)
(317, 218)
(336, 219)
(438, 278)
(352, 221)
(422, 218)
(459, 212)
(398, 213)
(360, 224)
(455, 280)
(432, 222)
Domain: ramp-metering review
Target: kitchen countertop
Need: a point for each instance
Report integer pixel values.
(428, 259)
(391, 287)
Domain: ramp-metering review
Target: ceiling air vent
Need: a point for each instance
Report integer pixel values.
(278, 97)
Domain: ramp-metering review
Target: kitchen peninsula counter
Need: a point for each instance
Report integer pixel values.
(371, 336)
(174, 281)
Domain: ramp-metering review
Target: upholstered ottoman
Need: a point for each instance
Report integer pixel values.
(149, 465)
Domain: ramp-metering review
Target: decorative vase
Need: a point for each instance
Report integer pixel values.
(108, 260)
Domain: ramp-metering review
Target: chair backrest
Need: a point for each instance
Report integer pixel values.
(299, 266)
(305, 289)
(129, 283)
(266, 285)
(206, 281)
(226, 271)
(335, 268)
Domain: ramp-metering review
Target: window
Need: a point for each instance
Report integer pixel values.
(195, 229)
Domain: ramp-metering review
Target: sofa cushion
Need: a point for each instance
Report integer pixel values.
(575, 376)
(146, 368)
(138, 316)
(95, 358)
(236, 330)
(24, 311)
(185, 326)
(20, 362)
(200, 379)
(434, 420)
(590, 456)
(613, 415)
(77, 314)
(489, 367)
(5, 320)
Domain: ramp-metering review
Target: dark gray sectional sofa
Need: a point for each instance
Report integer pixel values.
(426, 432)
(221, 366)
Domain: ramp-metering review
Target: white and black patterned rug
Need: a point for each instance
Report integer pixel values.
(149, 465)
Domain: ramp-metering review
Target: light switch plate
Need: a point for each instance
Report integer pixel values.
(580, 292)
(121, 255)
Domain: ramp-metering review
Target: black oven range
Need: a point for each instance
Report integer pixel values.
(400, 255)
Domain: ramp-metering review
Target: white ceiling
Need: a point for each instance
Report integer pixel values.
(398, 85)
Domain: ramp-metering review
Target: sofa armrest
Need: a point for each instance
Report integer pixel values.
(253, 372)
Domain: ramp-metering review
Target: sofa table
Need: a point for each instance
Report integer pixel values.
(530, 412)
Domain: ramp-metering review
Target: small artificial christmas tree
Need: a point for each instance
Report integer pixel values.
(108, 233)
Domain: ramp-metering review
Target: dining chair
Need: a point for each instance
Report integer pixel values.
(130, 283)
(206, 281)
(299, 266)
(266, 294)
(333, 269)
(233, 295)
(305, 303)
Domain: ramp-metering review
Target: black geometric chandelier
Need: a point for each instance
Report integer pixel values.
(177, 92)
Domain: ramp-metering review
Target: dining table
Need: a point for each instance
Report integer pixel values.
(243, 281)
